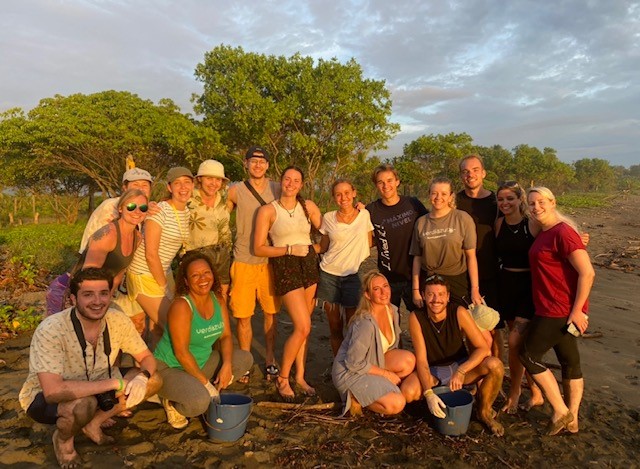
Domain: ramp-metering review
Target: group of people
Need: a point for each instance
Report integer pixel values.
(512, 251)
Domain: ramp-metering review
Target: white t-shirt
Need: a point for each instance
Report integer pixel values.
(175, 232)
(348, 243)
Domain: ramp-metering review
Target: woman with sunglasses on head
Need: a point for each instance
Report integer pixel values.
(369, 369)
(444, 243)
(515, 234)
(112, 247)
(149, 278)
(283, 234)
(562, 277)
(347, 237)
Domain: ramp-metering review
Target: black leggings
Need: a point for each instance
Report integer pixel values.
(544, 333)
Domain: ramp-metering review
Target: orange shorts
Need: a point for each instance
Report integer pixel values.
(248, 282)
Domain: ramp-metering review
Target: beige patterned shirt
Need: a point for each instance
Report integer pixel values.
(55, 349)
(208, 225)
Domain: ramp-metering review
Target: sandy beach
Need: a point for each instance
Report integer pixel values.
(309, 437)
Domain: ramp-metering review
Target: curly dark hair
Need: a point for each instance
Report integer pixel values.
(90, 273)
(182, 288)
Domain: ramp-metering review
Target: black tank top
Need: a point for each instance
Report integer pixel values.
(446, 346)
(115, 261)
(513, 243)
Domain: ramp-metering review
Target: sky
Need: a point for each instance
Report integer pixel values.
(562, 74)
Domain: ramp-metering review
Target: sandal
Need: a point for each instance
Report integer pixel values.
(271, 372)
(244, 379)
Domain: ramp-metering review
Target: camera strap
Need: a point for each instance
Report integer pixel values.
(106, 341)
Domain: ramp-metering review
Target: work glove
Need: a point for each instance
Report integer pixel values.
(136, 390)
(436, 406)
(213, 392)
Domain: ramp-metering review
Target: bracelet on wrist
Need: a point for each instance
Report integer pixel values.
(120, 385)
(462, 372)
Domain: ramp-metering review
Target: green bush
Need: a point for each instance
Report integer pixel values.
(585, 200)
(52, 247)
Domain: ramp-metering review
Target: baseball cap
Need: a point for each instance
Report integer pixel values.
(136, 174)
(251, 152)
(178, 171)
(212, 168)
(486, 317)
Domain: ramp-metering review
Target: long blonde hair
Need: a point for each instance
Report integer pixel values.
(517, 190)
(364, 306)
(547, 194)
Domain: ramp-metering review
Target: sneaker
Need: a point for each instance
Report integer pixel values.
(174, 418)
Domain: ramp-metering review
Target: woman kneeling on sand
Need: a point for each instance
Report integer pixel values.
(369, 366)
(196, 346)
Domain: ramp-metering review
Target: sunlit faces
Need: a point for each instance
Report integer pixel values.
(508, 202)
(181, 189)
(440, 196)
(210, 185)
(144, 186)
(379, 293)
(344, 195)
(472, 173)
(92, 300)
(136, 216)
(387, 184)
(542, 209)
(291, 182)
(256, 166)
(436, 297)
(199, 277)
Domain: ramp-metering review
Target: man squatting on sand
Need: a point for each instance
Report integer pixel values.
(72, 383)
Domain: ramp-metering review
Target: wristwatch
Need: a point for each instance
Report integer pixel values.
(146, 373)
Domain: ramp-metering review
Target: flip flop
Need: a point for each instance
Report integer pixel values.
(271, 372)
(244, 379)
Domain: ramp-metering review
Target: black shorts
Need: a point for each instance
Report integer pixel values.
(544, 333)
(515, 296)
(42, 412)
(293, 272)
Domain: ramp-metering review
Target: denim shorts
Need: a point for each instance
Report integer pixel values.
(344, 291)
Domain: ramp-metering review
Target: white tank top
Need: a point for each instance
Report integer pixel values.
(290, 228)
(383, 339)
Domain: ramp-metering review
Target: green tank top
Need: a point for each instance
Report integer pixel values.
(204, 333)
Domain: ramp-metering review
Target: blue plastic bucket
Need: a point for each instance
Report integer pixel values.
(459, 404)
(227, 420)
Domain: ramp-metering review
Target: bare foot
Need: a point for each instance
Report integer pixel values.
(511, 406)
(97, 435)
(108, 423)
(284, 389)
(531, 403)
(65, 452)
(491, 423)
(356, 408)
(306, 387)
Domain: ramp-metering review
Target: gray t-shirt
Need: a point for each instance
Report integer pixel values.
(441, 242)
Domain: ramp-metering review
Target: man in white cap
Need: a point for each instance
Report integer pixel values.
(104, 214)
(209, 230)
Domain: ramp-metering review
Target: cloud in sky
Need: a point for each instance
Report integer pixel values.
(561, 75)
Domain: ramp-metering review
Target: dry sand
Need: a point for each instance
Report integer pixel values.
(610, 413)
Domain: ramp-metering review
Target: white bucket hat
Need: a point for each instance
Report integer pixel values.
(212, 168)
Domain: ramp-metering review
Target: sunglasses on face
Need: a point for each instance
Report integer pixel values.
(131, 207)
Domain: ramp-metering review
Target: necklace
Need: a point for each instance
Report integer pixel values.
(348, 218)
(290, 212)
(441, 325)
(509, 227)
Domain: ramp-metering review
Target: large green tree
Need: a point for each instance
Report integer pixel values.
(89, 137)
(594, 174)
(320, 115)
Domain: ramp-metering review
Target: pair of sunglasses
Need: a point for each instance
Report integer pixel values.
(131, 207)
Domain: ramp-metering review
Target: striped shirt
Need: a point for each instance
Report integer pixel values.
(175, 230)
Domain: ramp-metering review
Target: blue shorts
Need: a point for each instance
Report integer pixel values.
(343, 291)
(444, 373)
(42, 412)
